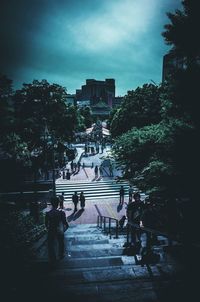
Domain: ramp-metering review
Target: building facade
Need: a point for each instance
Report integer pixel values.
(96, 91)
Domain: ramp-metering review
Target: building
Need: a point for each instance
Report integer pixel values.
(96, 91)
(70, 99)
(117, 101)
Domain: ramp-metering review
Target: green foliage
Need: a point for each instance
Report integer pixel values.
(148, 155)
(18, 234)
(86, 113)
(140, 107)
(6, 109)
(38, 101)
(182, 33)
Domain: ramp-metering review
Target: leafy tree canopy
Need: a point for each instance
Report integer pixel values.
(140, 107)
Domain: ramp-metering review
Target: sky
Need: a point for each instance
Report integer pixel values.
(69, 41)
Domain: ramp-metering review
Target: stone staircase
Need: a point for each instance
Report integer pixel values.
(97, 268)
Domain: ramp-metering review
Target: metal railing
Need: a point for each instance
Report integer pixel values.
(147, 230)
(105, 223)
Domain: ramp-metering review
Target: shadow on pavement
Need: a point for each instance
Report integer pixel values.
(78, 214)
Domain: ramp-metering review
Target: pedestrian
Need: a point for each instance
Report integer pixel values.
(111, 169)
(79, 165)
(68, 175)
(63, 174)
(121, 195)
(75, 200)
(53, 220)
(130, 194)
(101, 170)
(96, 169)
(82, 200)
(72, 166)
(149, 219)
(75, 166)
(62, 198)
(134, 213)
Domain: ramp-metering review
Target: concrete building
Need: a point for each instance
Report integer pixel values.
(70, 99)
(96, 91)
(117, 101)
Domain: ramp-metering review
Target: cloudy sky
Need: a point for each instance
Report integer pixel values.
(68, 41)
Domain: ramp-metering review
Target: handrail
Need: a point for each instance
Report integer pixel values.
(101, 222)
(148, 230)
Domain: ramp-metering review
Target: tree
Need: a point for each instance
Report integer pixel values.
(148, 155)
(41, 101)
(140, 107)
(87, 116)
(7, 120)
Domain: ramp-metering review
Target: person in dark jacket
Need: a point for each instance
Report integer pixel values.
(75, 200)
(53, 219)
(121, 195)
(134, 212)
(82, 200)
(62, 200)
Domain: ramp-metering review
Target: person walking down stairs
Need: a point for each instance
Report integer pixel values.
(56, 224)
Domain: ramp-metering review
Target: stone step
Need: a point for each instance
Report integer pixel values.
(110, 273)
(78, 252)
(82, 182)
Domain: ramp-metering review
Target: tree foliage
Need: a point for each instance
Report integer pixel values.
(162, 155)
(140, 107)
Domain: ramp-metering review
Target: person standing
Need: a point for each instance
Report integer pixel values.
(111, 169)
(121, 195)
(79, 165)
(134, 212)
(62, 200)
(101, 170)
(75, 166)
(68, 175)
(96, 169)
(72, 166)
(75, 200)
(53, 219)
(130, 194)
(82, 200)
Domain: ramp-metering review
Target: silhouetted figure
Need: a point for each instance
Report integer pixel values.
(79, 165)
(149, 220)
(75, 200)
(63, 173)
(121, 196)
(61, 203)
(134, 212)
(111, 170)
(101, 171)
(82, 200)
(75, 167)
(130, 194)
(68, 175)
(96, 169)
(72, 166)
(54, 220)
(122, 221)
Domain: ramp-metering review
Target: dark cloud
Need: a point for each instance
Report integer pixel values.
(70, 40)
